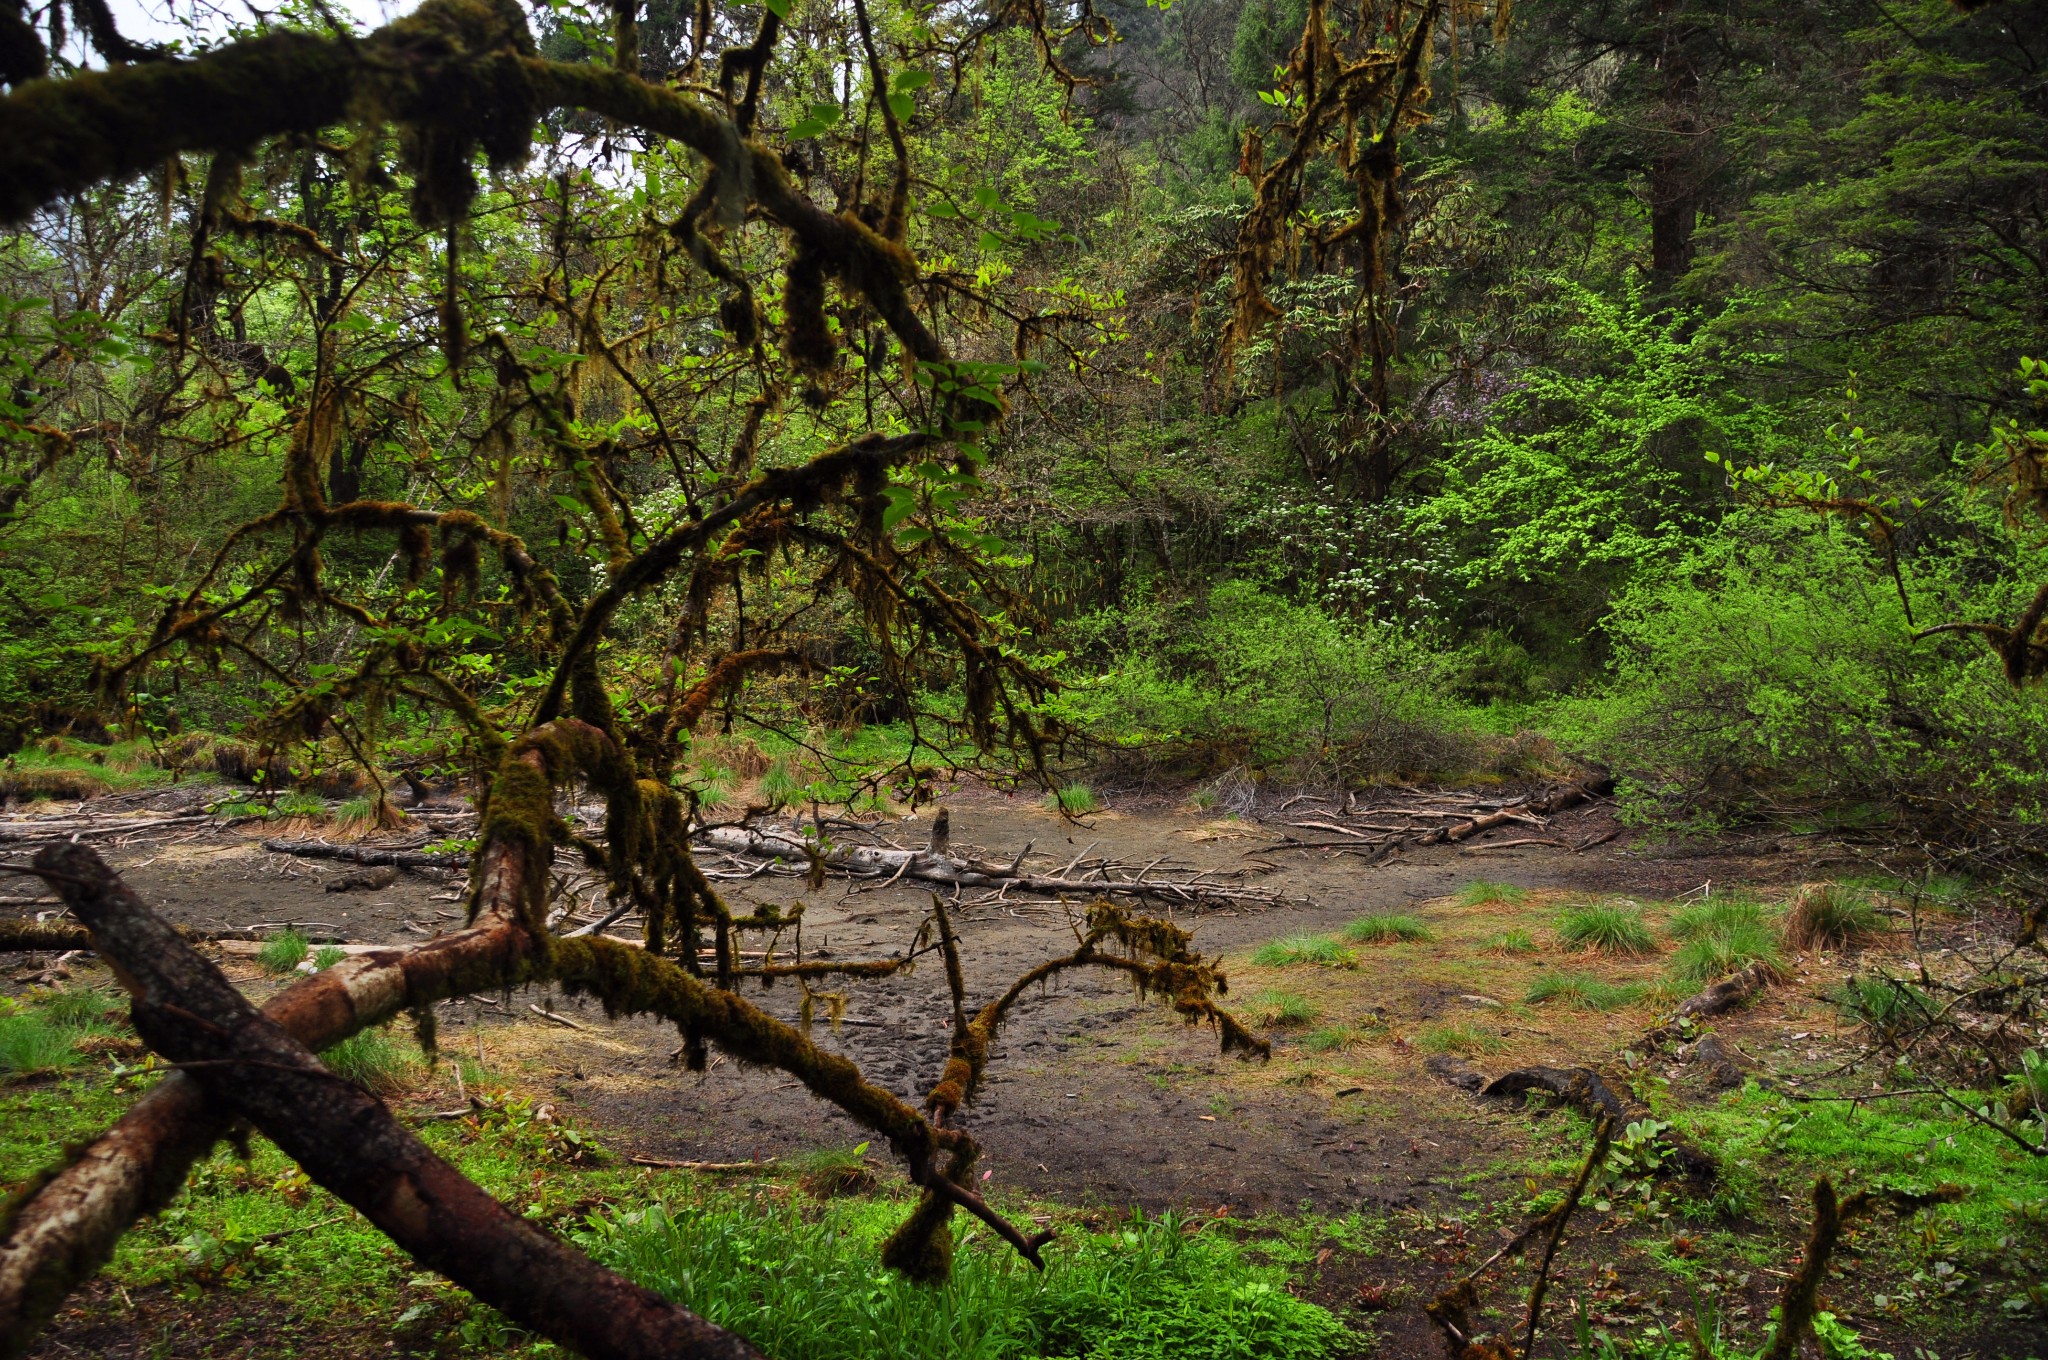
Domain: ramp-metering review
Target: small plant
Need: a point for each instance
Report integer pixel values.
(1584, 991)
(327, 955)
(1827, 915)
(241, 807)
(30, 1045)
(1605, 928)
(1337, 1038)
(831, 1172)
(366, 814)
(81, 1008)
(1717, 917)
(1485, 894)
(1729, 948)
(782, 782)
(373, 1060)
(1511, 942)
(1072, 799)
(1273, 1009)
(1890, 1006)
(1456, 1036)
(1293, 949)
(283, 952)
(293, 803)
(1385, 928)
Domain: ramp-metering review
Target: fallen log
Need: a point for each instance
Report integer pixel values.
(1734, 990)
(356, 854)
(67, 828)
(1588, 1092)
(350, 1143)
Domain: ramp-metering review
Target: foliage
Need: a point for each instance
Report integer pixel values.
(1583, 991)
(284, 951)
(1272, 1008)
(1485, 894)
(1828, 915)
(1293, 949)
(799, 1288)
(1605, 927)
(373, 1060)
(1385, 928)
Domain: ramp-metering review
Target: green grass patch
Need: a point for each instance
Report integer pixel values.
(802, 1287)
(1292, 949)
(1510, 942)
(1584, 991)
(1719, 916)
(1487, 894)
(31, 1046)
(1830, 915)
(283, 952)
(1606, 928)
(1274, 1009)
(327, 955)
(1888, 1005)
(1072, 799)
(1715, 954)
(1386, 928)
(373, 1060)
(79, 1008)
(1456, 1036)
(1336, 1038)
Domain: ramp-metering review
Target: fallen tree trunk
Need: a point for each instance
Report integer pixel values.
(41, 830)
(348, 1142)
(1587, 1091)
(355, 854)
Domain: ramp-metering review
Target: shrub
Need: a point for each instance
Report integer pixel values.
(1272, 1009)
(283, 952)
(1385, 928)
(810, 1286)
(1734, 945)
(1072, 799)
(31, 1045)
(1485, 894)
(1828, 914)
(1584, 991)
(373, 1060)
(1292, 949)
(1511, 942)
(1606, 928)
(1456, 1036)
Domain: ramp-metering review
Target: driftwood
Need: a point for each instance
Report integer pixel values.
(925, 866)
(51, 828)
(348, 1142)
(1734, 990)
(356, 854)
(1378, 840)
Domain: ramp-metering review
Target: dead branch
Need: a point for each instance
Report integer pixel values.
(35, 937)
(1830, 1216)
(352, 854)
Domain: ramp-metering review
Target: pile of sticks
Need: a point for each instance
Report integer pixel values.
(1383, 824)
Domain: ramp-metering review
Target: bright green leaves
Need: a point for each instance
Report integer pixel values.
(903, 92)
(820, 117)
(778, 8)
(1001, 223)
(937, 493)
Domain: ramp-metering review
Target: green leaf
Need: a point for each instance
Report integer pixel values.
(990, 241)
(907, 81)
(779, 8)
(902, 105)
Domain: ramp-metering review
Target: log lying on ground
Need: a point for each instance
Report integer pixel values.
(39, 937)
(50, 828)
(955, 871)
(348, 1142)
(1587, 1091)
(1734, 990)
(1455, 824)
(370, 855)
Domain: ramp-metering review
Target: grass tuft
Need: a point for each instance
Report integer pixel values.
(1605, 928)
(1385, 928)
(1584, 991)
(1715, 954)
(1338, 1038)
(828, 1173)
(30, 1045)
(1487, 894)
(1456, 1036)
(1717, 917)
(1072, 799)
(1892, 1007)
(327, 955)
(85, 1008)
(283, 952)
(1827, 915)
(373, 1060)
(1511, 942)
(1275, 1009)
(1293, 949)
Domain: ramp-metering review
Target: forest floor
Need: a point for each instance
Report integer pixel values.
(1098, 1101)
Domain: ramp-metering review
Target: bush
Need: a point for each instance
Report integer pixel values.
(1605, 928)
(811, 1286)
(1775, 665)
(1294, 949)
(1386, 928)
(1584, 991)
(283, 952)
(1244, 678)
(1827, 914)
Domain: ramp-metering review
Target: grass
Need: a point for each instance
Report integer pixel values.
(293, 803)
(32, 1045)
(1487, 894)
(808, 1286)
(1890, 1006)
(373, 1060)
(829, 1173)
(1336, 1038)
(283, 952)
(1584, 991)
(1456, 1036)
(1073, 799)
(1713, 955)
(1293, 949)
(327, 955)
(1385, 928)
(1510, 942)
(1824, 915)
(83, 1008)
(1273, 1009)
(1717, 917)
(1605, 928)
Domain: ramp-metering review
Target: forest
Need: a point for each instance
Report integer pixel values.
(1024, 678)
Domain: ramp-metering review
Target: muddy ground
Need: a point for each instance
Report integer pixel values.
(1094, 1095)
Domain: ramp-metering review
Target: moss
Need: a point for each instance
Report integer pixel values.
(922, 1249)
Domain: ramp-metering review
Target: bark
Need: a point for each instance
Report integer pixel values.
(350, 854)
(347, 1141)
